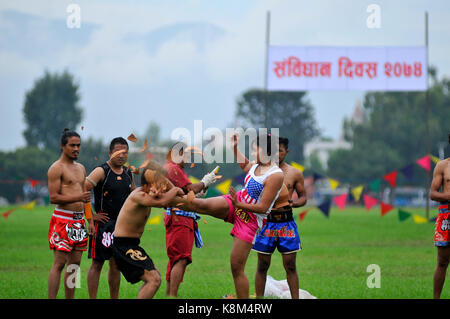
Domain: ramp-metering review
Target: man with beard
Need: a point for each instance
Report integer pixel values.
(67, 235)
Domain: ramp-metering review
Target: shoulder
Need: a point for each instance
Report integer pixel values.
(441, 165)
(55, 168)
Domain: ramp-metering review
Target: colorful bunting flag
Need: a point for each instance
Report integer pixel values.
(302, 215)
(434, 159)
(333, 183)
(419, 219)
(357, 191)
(385, 208)
(224, 186)
(391, 178)
(375, 185)
(408, 171)
(33, 182)
(7, 213)
(156, 220)
(325, 207)
(424, 162)
(340, 201)
(213, 192)
(403, 215)
(239, 179)
(194, 180)
(29, 206)
(301, 168)
(369, 201)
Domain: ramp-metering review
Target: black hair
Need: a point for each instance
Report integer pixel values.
(448, 138)
(67, 134)
(117, 140)
(267, 140)
(284, 141)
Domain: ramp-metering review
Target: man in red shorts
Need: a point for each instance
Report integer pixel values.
(441, 178)
(182, 228)
(67, 234)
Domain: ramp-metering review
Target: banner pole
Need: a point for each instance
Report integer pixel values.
(427, 124)
(266, 66)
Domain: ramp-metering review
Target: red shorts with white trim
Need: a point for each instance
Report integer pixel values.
(67, 231)
(442, 227)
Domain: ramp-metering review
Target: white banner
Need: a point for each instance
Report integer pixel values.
(347, 68)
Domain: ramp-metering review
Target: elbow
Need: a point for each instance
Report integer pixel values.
(53, 199)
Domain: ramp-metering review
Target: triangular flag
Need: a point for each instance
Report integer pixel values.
(403, 215)
(385, 208)
(301, 168)
(213, 192)
(375, 185)
(33, 182)
(194, 180)
(325, 207)
(424, 162)
(154, 220)
(7, 213)
(408, 171)
(356, 192)
(419, 219)
(224, 186)
(340, 201)
(434, 159)
(29, 206)
(369, 201)
(333, 183)
(302, 215)
(391, 178)
(239, 179)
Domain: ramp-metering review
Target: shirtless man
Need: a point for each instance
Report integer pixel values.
(131, 259)
(441, 179)
(67, 235)
(281, 231)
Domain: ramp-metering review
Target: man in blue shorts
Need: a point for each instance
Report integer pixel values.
(280, 230)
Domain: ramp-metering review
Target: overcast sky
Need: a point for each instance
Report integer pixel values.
(174, 62)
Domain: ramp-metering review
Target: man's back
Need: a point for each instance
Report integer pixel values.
(133, 216)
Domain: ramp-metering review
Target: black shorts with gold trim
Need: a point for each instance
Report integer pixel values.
(131, 259)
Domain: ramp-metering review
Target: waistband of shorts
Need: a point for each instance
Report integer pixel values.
(68, 214)
(280, 216)
(126, 241)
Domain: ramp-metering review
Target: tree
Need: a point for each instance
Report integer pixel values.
(288, 111)
(50, 106)
(393, 134)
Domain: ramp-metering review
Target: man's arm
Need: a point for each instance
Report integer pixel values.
(95, 177)
(196, 188)
(438, 177)
(299, 185)
(271, 187)
(54, 189)
(160, 200)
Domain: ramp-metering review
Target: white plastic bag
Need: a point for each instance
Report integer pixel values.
(280, 289)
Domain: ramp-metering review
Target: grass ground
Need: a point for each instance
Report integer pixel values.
(332, 264)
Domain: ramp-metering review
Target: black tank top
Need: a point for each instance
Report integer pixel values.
(111, 193)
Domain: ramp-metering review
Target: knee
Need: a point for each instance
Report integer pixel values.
(96, 265)
(290, 266)
(442, 262)
(237, 268)
(153, 277)
(263, 266)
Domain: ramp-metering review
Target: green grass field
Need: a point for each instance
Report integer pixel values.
(332, 264)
